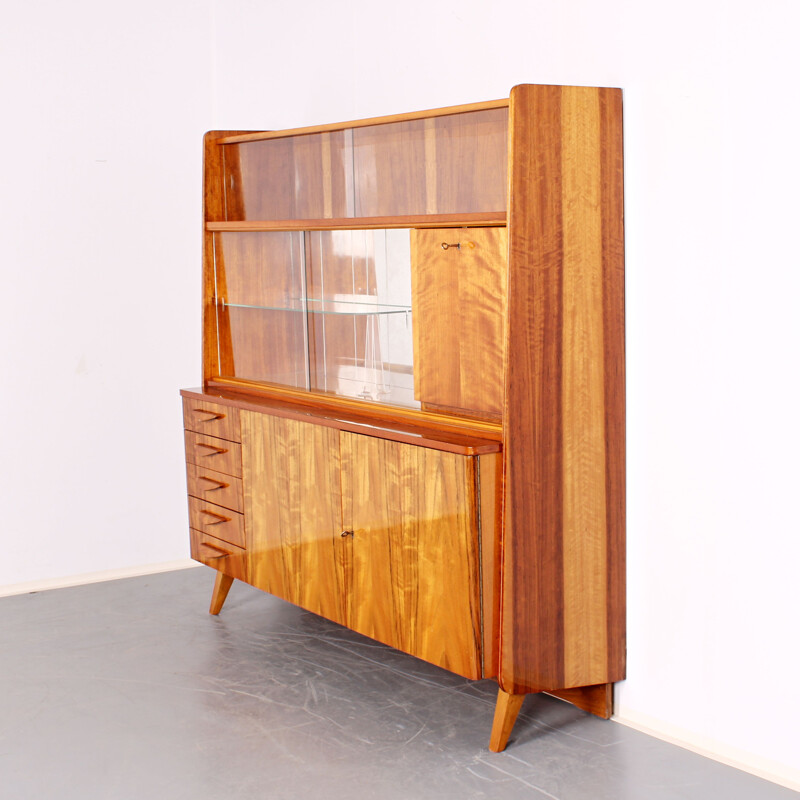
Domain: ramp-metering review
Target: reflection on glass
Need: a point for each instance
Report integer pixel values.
(452, 164)
(320, 310)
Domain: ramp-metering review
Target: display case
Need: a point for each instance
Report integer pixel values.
(412, 413)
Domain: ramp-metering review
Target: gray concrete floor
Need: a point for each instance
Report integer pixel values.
(129, 689)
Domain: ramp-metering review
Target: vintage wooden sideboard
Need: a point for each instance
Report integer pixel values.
(412, 413)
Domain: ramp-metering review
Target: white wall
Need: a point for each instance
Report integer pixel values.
(101, 318)
(103, 110)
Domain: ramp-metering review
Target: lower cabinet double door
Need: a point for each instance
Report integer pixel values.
(392, 540)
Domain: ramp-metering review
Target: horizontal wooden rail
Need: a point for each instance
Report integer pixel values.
(364, 223)
(456, 435)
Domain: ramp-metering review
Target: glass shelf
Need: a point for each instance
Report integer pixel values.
(335, 306)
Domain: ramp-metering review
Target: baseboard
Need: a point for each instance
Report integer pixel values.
(95, 577)
(773, 771)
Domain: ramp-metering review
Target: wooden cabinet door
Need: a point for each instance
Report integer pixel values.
(414, 550)
(458, 291)
(293, 511)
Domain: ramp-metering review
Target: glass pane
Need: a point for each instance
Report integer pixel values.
(453, 164)
(259, 277)
(297, 177)
(320, 310)
(366, 352)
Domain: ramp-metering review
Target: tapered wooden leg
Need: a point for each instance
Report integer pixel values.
(505, 715)
(222, 586)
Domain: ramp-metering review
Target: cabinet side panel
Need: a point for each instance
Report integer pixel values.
(582, 397)
(562, 575)
(215, 167)
(213, 209)
(612, 206)
(292, 500)
(532, 611)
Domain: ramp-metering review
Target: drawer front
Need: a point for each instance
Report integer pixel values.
(214, 487)
(211, 419)
(221, 555)
(210, 452)
(216, 521)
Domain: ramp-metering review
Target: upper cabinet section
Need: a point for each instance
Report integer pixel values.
(454, 164)
(362, 265)
(421, 267)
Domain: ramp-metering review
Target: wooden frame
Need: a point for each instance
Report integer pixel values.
(549, 499)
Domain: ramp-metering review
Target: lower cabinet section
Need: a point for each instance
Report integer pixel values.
(380, 536)
(391, 534)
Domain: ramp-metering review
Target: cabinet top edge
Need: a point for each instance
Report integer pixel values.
(565, 86)
(239, 137)
(469, 444)
(220, 137)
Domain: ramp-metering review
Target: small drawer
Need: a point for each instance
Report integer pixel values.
(210, 452)
(211, 419)
(221, 555)
(214, 487)
(216, 521)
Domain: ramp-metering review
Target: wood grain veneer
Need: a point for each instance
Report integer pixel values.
(482, 218)
(490, 493)
(217, 454)
(293, 505)
(376, 535)
(505, 715)
(465, 436)
(222, 556)
(216, 521)
(459, 295)
(214, 487)
(213, 208)
(564, 525)
(597, 700)
(485, 531)
(211, 419)
(222, 585)
(414, 550)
